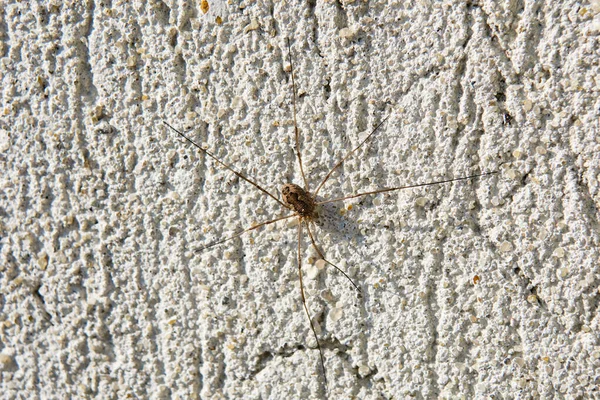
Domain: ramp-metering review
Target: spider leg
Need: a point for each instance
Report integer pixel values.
(314, 243)
(240, 233)
(296, 130)
(349, 154)
(312, 327)
(384, 190)
(237, 173)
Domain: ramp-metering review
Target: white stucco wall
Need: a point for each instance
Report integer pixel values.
(480, 289)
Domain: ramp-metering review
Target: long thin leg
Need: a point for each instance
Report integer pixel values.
(348, 155)
(314, 243)
(407, 187)
(312, 327)
(296, 130)
(239, 174)
(238, 234)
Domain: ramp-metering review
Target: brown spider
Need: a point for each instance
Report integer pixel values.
(302, 202)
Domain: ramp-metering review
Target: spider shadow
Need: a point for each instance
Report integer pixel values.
(351, 243)
(355, 237)
(338, 226)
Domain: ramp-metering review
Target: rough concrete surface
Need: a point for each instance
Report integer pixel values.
(484, 288)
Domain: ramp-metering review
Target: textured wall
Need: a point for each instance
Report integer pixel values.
(479, 288)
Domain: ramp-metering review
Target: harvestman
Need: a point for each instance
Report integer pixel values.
(303, 203)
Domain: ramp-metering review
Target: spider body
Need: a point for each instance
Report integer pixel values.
(299, 200)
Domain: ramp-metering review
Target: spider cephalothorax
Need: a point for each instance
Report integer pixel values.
(299, 200)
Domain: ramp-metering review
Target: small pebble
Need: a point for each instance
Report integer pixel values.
(336, 314)
(562, 272)
(312, 272)
(517, 153)
(6, 361)
(43, 261)
(532, 298)
(346, 33)
(363, 370)
(541, 150)
(252, 26)
(559, 252)
(506, 246)
(519, 361)
(421, 201)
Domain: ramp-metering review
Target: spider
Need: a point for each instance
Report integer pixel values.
(303, 202)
